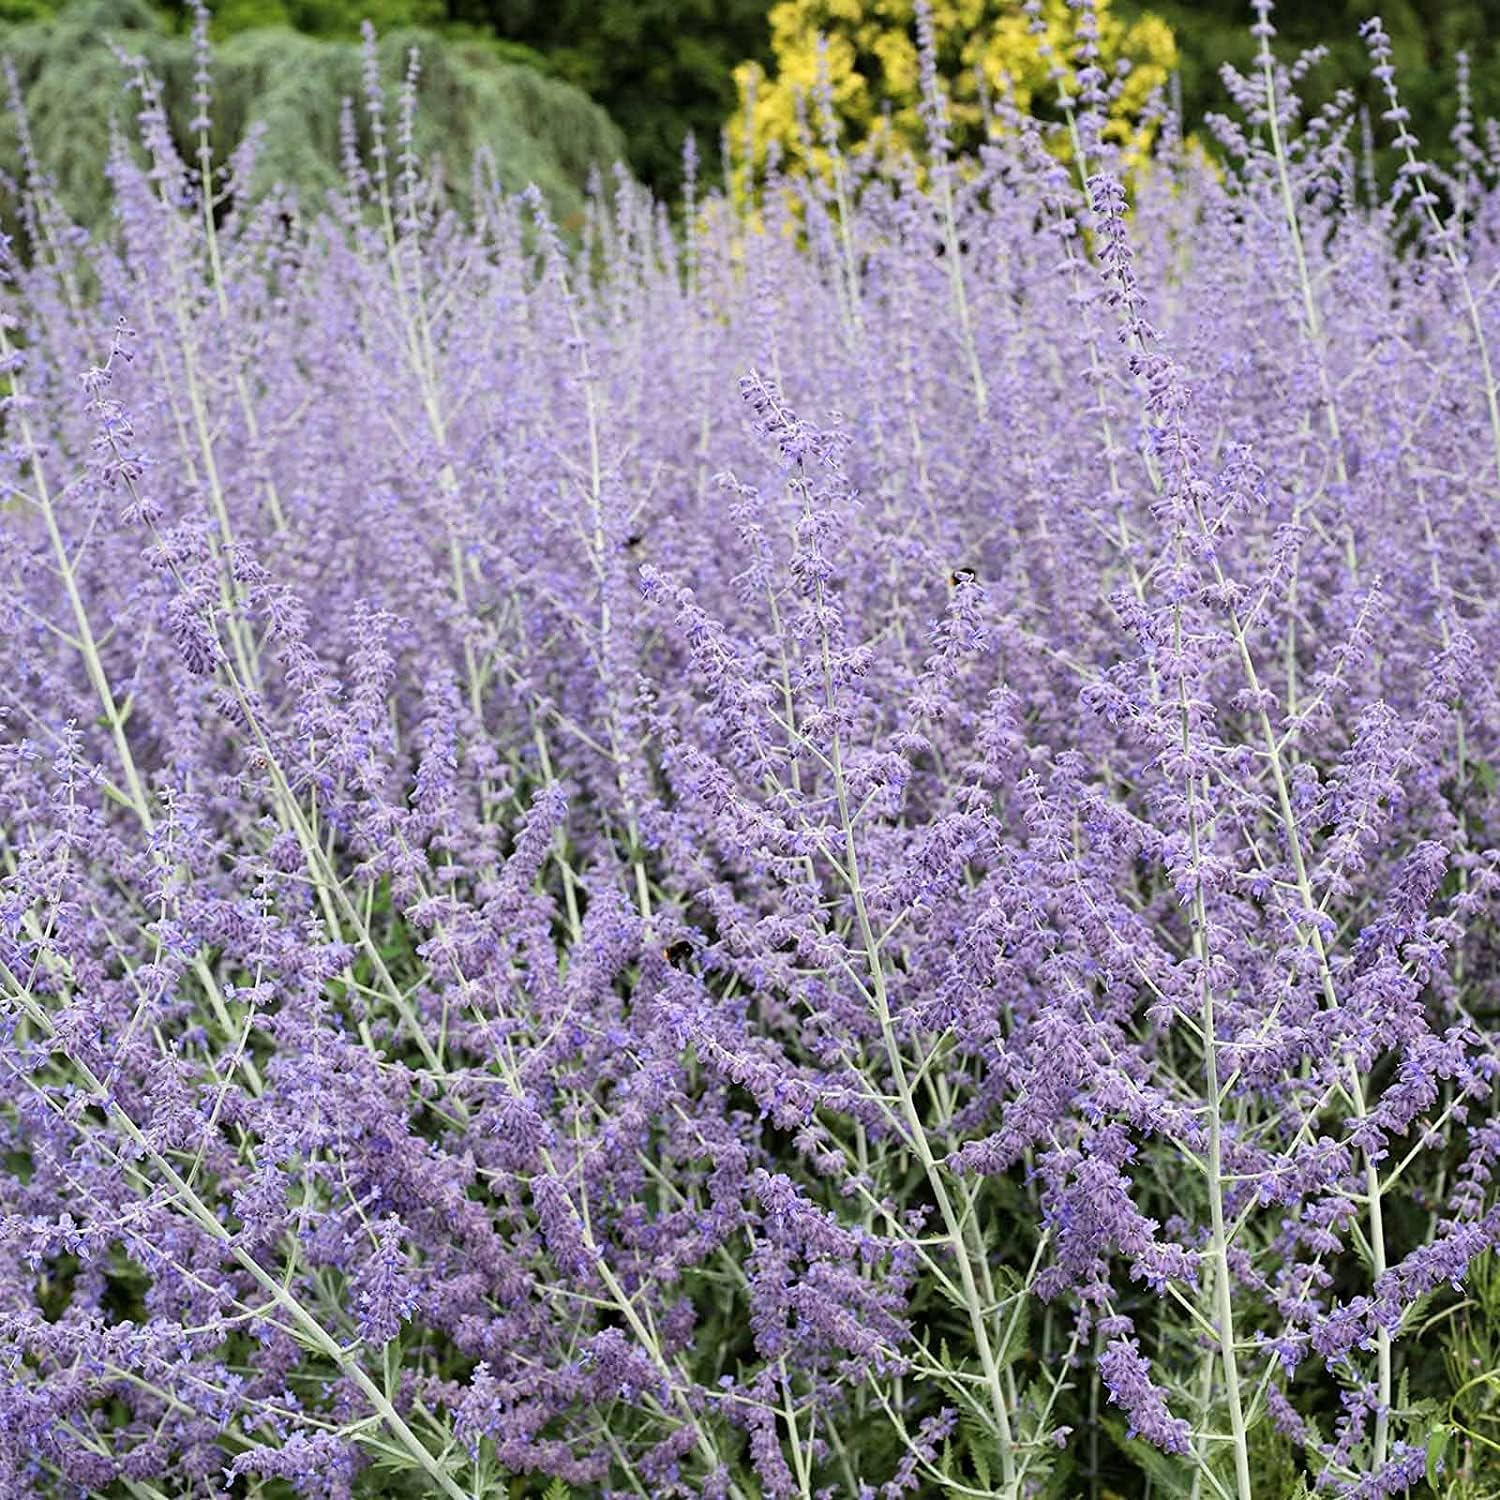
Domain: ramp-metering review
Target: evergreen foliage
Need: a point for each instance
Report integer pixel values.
(327, 18)
(75, 91)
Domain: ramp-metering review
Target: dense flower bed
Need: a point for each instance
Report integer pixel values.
(851, 851)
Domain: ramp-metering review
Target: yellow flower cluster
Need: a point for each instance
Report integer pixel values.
(870, 70)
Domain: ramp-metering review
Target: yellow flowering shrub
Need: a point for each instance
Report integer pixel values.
(873, 70)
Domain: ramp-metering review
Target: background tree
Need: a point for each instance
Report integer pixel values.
(868, 50)
(326, 18)
(535, 127)
(1427, 36)
(662, 68)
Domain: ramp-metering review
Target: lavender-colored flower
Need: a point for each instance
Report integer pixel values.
(738, 857)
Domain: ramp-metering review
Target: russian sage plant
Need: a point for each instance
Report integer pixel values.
(842, 846)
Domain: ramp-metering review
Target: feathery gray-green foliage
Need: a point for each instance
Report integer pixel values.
(75, 89)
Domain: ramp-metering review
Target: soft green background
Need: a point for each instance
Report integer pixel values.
(511, 73)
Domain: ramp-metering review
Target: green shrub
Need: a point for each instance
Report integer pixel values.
(75, 91)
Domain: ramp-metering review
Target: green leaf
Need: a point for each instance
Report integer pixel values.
(1169, 1476)
(977, 1442)
(980, 1459)
(1437, 1446)
(1017, 1323)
